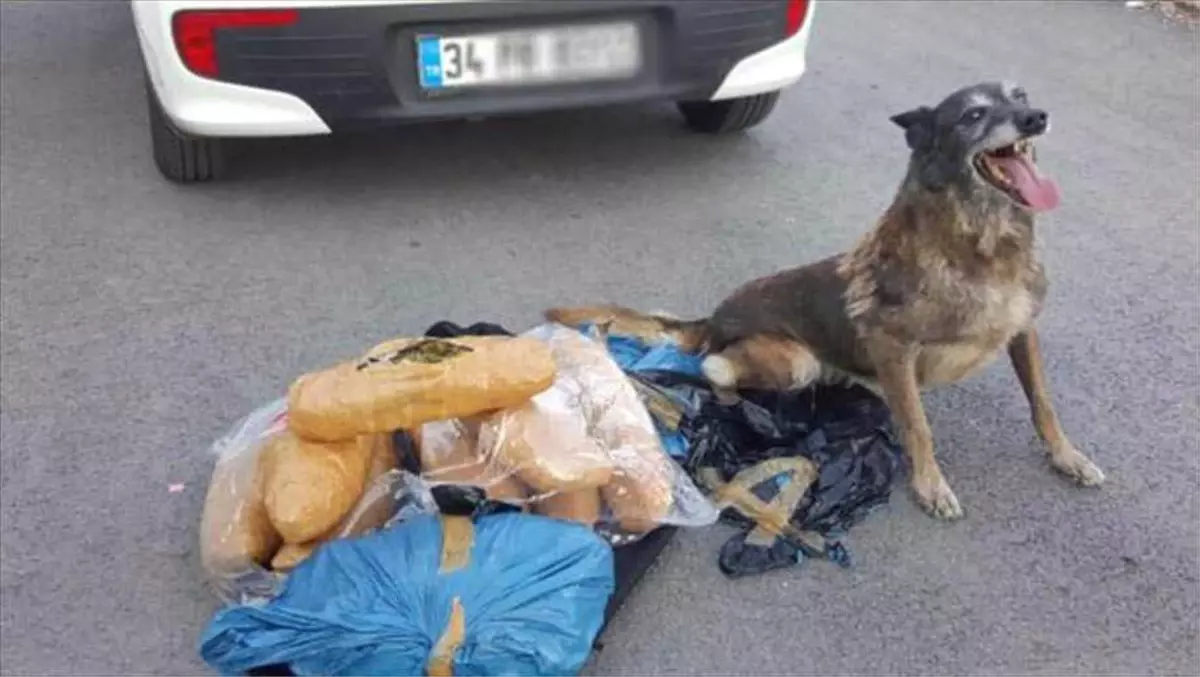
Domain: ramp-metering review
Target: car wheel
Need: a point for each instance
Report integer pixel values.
(730, 115)
(181, 157)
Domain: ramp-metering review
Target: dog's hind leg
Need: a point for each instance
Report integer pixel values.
(896, 371)
(1026, 357)
(762, 362)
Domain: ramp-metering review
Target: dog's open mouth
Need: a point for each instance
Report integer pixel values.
(1011, 170)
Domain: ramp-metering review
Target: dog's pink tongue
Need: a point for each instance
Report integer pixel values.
(1039, 192)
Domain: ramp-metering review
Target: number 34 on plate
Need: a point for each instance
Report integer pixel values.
(592, 52)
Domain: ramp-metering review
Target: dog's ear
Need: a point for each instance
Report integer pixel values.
(917, 125)
(920, 115)
(918, 129)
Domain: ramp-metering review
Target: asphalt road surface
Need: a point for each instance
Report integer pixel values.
(141, 319)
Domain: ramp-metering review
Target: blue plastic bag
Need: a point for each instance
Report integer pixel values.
(531, 590)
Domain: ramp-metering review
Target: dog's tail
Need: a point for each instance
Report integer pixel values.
(691, 335)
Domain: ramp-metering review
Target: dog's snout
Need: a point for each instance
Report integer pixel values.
(1032, 121)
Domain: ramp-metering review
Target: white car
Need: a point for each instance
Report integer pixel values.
(224, 69)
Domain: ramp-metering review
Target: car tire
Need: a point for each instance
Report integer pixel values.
(730, 115)
(181, 157)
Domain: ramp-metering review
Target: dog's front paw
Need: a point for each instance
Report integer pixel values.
(935, 496)
(1072, 463)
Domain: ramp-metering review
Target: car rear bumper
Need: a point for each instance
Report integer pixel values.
(352, 64)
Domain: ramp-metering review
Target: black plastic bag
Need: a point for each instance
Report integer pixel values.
(844, 431)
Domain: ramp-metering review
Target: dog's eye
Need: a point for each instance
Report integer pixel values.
(1019, 95)
(973, 114)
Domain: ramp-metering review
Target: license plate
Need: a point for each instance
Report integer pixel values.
(552, 55)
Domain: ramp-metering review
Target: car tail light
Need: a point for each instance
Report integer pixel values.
(796, 12)
(196, 32)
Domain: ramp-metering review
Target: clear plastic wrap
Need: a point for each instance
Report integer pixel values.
(585, 449)
(236, 536)
(242, 549)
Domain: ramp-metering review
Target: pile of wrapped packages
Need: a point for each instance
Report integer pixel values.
(458, 503)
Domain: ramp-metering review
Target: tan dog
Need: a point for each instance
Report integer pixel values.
(946, 281)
